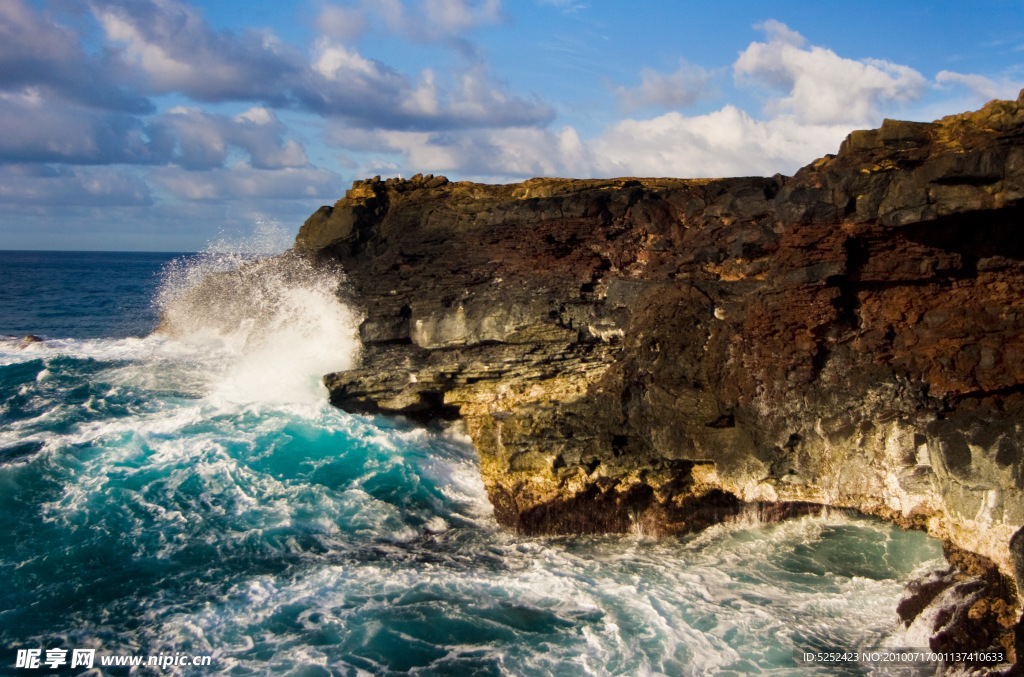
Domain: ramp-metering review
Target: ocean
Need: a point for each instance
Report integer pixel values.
(193, 500)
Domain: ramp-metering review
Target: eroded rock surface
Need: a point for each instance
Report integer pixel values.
(653, 354)
(970, 608)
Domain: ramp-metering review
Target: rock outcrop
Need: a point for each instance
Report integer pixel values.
(658, 354)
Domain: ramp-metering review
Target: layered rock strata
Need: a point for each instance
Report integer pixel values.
(658, 354)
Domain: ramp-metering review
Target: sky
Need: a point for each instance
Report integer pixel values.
(166, 125)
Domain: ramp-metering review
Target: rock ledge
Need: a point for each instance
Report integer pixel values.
(655, 354)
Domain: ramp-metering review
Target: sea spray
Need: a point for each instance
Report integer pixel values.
(281, 317)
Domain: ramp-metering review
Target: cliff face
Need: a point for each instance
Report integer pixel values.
(656, 354)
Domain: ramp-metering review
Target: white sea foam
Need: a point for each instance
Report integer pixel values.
(613, 607)
(280, 319)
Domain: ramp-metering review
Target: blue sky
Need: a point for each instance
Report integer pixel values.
(163, 125)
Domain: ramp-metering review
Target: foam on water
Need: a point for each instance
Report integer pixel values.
(192, 492)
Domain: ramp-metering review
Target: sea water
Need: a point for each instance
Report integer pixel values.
(192, 495)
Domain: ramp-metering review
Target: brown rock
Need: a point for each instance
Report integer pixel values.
(850, 336)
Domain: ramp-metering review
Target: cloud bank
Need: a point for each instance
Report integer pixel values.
(137, 104)
(812, 98)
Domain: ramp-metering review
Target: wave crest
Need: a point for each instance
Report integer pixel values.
(282, 317)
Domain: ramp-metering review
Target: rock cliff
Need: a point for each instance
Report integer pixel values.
(658, 354)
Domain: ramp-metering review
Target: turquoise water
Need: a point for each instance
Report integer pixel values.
(194, 494)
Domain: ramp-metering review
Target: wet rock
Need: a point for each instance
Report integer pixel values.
(970, 607)
(655, 353)
(28, 340)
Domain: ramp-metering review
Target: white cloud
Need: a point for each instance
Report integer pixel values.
(44, 185)
(424, 100)
(370, 94)
(820, 87)
(342, 23)
(819, 98)
(338, 62)
(475, 99)
(167, 46)
(727, 142)
(171, 48)
(778, 32)
(453, 17)
(982, 87)
(203, 139)
(154, 58)
(258, 116)
(486, 154)
(723, 143)
(36, 52)
(39, 128)
(680, 89)
(244, 183)
(424, 21)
